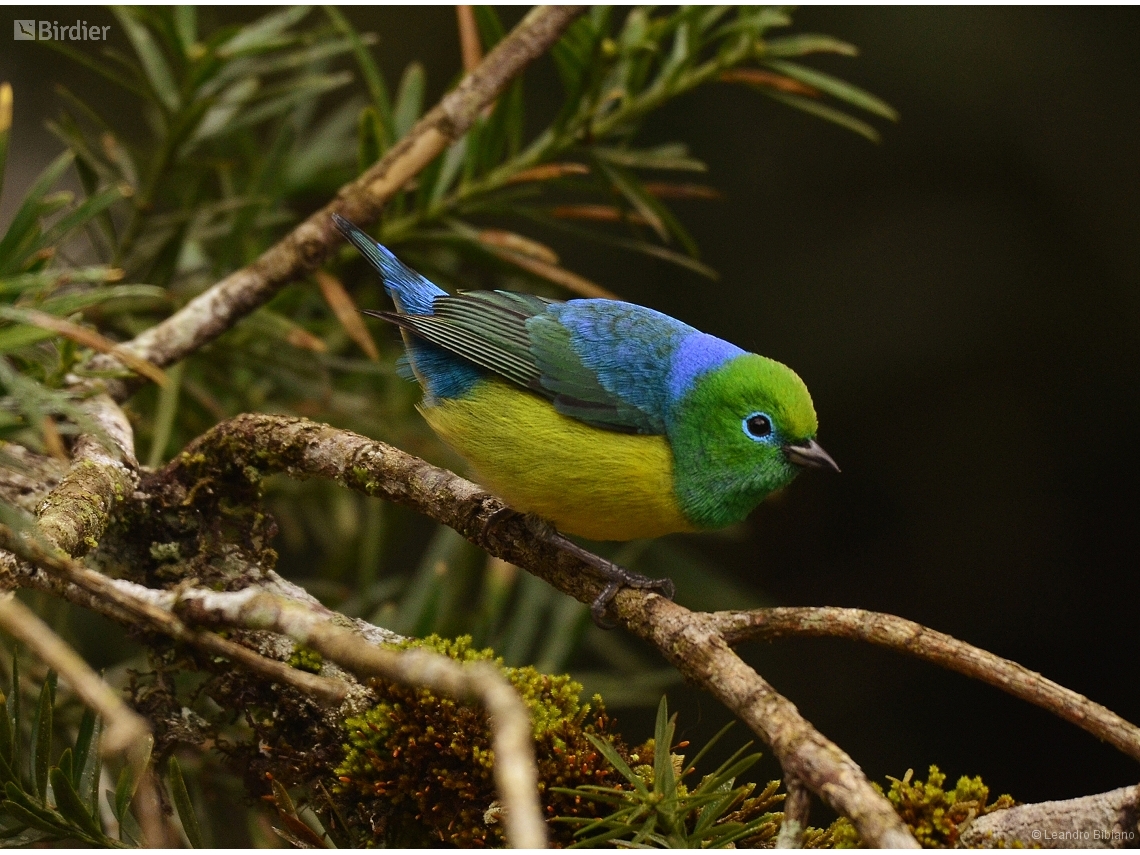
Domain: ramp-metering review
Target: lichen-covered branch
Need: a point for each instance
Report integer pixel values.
(797, 809)
(1103, 821)
(515, 772)
(124, 727)
(133, 604)
(103, 471)
(912, 638)
(213, 312)
(689, 640)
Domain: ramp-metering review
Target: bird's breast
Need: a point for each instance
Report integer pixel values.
(588, 481)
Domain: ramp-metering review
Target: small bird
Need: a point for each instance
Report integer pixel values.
(609, 420)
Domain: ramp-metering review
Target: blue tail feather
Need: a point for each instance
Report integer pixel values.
(411, 292)
(441, 374)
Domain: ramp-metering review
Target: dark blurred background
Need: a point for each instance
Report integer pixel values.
(962, 301)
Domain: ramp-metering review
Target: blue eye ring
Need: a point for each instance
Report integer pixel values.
(758, 427)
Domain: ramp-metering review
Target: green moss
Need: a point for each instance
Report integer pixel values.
(417, 767)
(165, 552)
(306, 659)
(936, 816)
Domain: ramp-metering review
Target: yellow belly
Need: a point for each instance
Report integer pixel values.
(587, 481)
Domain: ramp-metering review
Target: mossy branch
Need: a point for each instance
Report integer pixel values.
(689, 640)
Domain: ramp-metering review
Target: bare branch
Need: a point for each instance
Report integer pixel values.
(1103, 821)
(134, 604)
(912, 638)
(124, 727)
(210, 314)
(516, 775)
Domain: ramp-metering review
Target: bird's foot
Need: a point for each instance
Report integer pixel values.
(616, 577)
(619, 578)
(501, 515)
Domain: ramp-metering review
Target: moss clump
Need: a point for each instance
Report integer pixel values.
(417, 767)
(306, 659)
(935, 815)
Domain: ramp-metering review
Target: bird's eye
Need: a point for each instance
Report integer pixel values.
(758, 426)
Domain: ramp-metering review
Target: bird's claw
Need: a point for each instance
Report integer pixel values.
(496, 517)
(620, 578)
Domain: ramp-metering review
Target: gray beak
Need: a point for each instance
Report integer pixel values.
(809, 453)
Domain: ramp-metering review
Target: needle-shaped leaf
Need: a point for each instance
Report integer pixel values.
(263, 33)
(71, 807)
(610, 753)
(373, 78)
(841, 89)
(41, 736)
(802, 44)
(409, 99)
(26, 216)
(83, 743)
(183, 805)
(830, 114)
(150, 56)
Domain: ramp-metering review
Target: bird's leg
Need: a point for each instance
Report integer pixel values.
(616, 576)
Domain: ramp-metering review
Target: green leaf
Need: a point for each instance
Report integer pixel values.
(802, 44)
(150, 56)
(183, 805)
(835, 87)
(71, 807)
(610, 753)
(673, 156)
(83, 742)
(102, 69)
(71, 303)
(33, 819)
(665, 782)
(90, 769)
(264, 33)
(65, 764)
(46, 818)
(125, 791)
(41, 736)
(823, 111)
(26, 216)
(186, 27)
(370, 139)
(373, 78)
(453, 160)
(409, 99)
(12, 703)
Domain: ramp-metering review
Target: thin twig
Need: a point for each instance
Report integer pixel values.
(912, 638)
(217, 309)
(516, 775)
(127, 602)
(797, 809)
(124, 727)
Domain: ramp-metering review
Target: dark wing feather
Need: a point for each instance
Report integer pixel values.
(513, 336)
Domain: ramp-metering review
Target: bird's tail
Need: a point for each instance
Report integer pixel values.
(412, 293)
